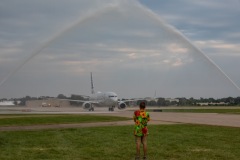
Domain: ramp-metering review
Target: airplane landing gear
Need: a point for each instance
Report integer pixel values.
(111, 108)
(91, 109)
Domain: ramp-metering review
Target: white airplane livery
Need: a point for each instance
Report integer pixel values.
(102, 99)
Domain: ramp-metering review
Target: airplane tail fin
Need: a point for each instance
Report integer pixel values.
(92, 88)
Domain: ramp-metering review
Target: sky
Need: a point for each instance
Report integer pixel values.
(136, 48)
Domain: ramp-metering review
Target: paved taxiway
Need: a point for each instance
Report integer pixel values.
(231, 120)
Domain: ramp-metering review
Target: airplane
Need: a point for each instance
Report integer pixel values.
(101, 99)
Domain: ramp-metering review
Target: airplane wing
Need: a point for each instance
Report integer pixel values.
(122, 104)
(130, 100)
(84, 101)
(87, 105)
(73, 100)
(84, 96)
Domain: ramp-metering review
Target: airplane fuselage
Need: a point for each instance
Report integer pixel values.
(108, 99)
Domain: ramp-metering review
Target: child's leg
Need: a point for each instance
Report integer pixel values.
(144, 142)
(138, 143)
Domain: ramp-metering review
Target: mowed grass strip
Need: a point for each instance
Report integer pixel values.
(174, 142)
(229, 111)
(55, 119)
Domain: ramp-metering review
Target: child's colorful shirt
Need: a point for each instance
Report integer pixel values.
(141, 118)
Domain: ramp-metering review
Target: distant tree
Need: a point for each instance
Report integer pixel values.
(152, 103)
(230, 100)
(173, 103)
(15, 102)
(3, 99)
(212, 100)
(161, 102)
(184, 101)
(27, 98)
(77, 97)
(193, 101)
(139, 101)
(237, 100)
(22, 101)
(61, 96)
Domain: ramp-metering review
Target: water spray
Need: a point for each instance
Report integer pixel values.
(85, 19)
(153, 15)
(99, 12)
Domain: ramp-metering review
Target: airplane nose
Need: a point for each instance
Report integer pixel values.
(115, 99)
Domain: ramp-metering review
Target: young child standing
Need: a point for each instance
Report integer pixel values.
(141, 118)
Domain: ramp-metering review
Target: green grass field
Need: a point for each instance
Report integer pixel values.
(174, 142)
(11, 120)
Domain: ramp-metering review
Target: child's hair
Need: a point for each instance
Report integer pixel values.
(142, 105)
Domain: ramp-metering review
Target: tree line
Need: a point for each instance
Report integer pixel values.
(229, 101)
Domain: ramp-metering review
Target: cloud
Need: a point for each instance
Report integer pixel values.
(125, 46)
(220, 47)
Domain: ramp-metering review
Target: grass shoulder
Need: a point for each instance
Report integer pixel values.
(23, 120)
(197, 110)
(117, 142)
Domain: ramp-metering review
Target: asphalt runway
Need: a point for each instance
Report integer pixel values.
(51, 110)
(230, 120)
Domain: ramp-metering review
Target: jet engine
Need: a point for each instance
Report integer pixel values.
(122, 105)
(86, 105)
